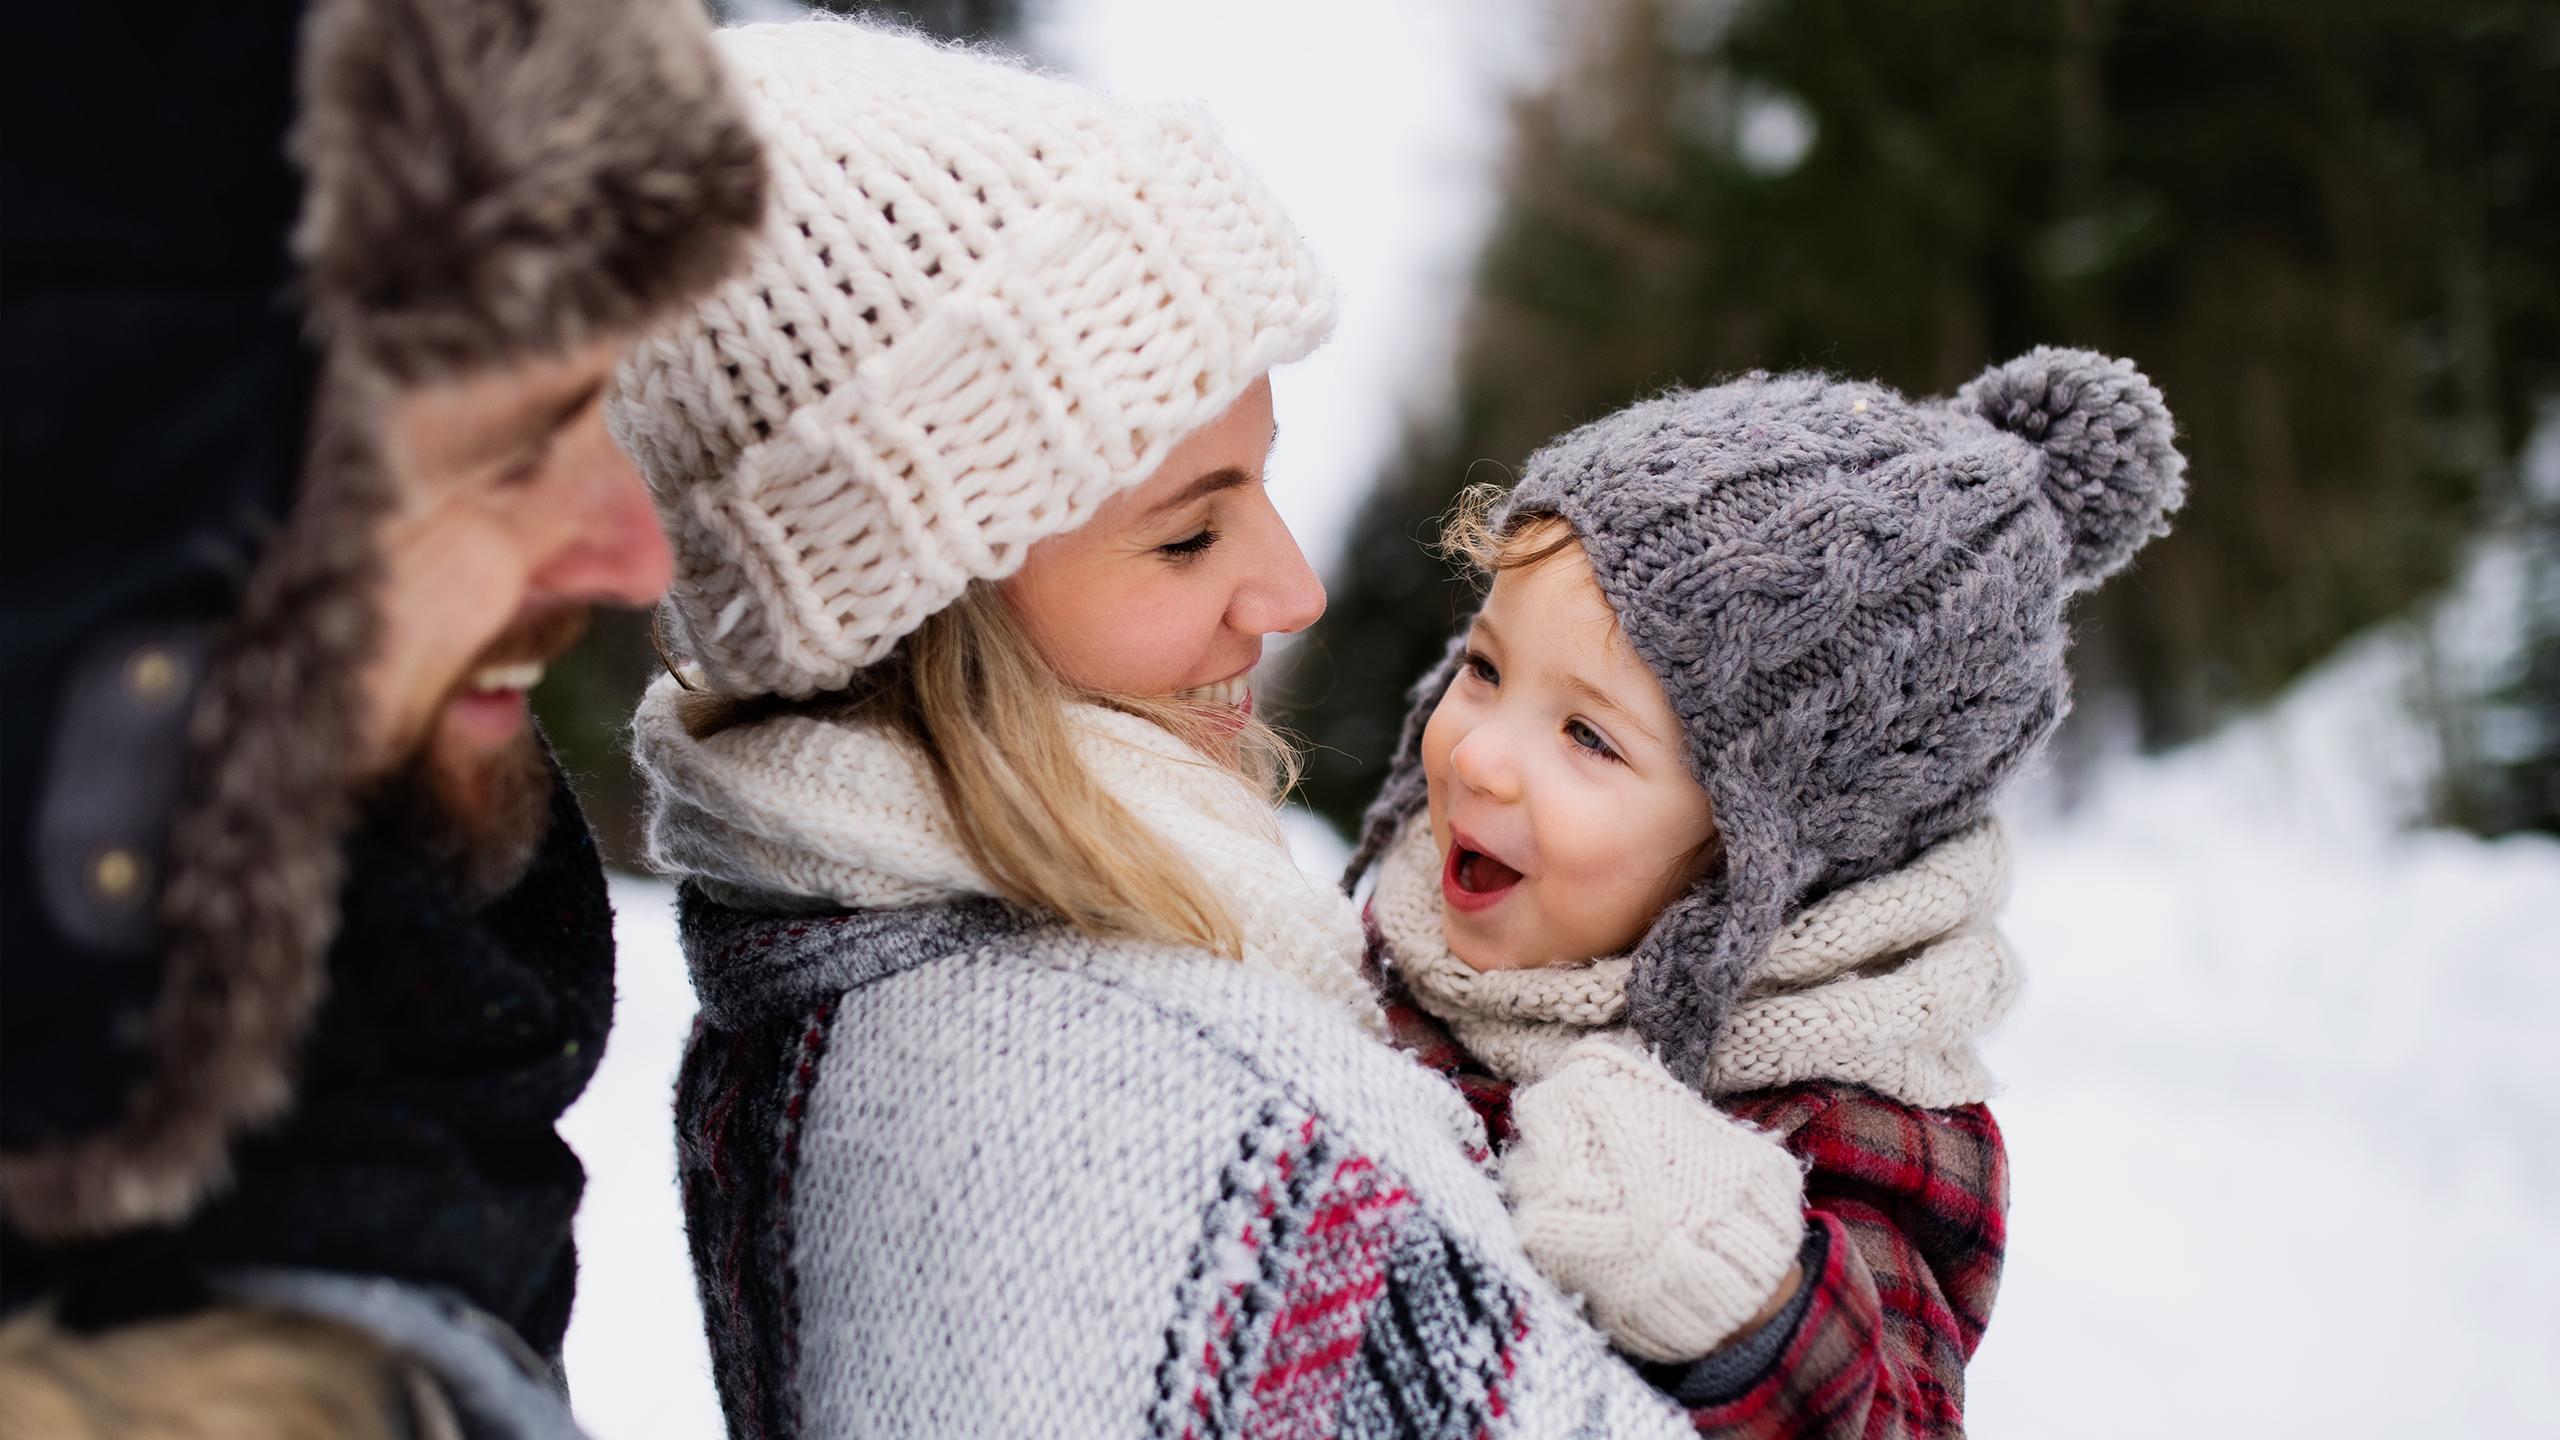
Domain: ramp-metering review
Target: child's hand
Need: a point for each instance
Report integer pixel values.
(1675, 1223)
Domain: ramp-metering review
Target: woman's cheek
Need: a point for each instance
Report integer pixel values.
(1160, 648)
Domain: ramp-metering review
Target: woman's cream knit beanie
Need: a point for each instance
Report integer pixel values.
(984, 301)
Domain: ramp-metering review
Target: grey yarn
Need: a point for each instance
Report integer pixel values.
(1855, 604)
(751, 968)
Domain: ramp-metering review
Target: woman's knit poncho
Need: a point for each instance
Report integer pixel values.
(951, 1171)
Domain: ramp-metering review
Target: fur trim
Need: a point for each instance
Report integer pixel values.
(496, 180)
(487, 180)
(252, 860)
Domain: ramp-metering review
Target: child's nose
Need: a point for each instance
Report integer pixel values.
(1484, 763)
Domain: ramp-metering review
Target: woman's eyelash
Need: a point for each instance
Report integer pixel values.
(1583, 736)
(1185, 549)
(521, 471)
(1481, 668)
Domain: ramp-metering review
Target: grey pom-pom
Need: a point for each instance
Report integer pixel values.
(2112, 467)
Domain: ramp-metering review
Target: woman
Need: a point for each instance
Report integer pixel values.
(1036, 1091)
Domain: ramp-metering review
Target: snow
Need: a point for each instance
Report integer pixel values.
(638, 1366)
(2283, 1099)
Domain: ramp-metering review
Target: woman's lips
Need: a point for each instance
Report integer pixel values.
(1229, 703)
(1236, 691)
(1471, 880)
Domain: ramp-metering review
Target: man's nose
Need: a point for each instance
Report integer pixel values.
(1283, 596)
(612, 551)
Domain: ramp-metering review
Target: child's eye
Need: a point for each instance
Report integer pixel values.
(1481, 668)
(1586, 738)
(1186, 549)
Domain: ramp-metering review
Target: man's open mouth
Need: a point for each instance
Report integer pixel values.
(1472, 879)
(521, 676)
(516, 661)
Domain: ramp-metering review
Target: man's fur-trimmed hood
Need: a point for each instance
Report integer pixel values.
(491, 180)
(484, 181)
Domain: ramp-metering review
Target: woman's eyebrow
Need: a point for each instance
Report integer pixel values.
(1207, 485)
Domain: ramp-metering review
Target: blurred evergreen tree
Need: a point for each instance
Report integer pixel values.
(2503, 735)
(2327, 231)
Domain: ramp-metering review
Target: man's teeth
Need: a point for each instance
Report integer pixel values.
(508, 677)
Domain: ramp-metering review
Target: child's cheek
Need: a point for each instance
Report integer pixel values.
(1439, 737)
(1602, 905)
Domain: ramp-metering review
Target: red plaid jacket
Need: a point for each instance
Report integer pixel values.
(1907, 1209)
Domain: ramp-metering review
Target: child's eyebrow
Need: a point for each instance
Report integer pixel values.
(1602, 700)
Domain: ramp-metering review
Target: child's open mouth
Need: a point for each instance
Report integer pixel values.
(1472, 879)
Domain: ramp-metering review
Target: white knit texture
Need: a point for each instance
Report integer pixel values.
(1003, 1178)
(851, 815)
(1889, 983)
(1007, 1154)
(1673, 1222)
(984, 301)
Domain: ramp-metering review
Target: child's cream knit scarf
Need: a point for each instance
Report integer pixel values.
(825, 813)
(1888, 983)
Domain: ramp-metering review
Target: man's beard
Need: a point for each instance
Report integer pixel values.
(477, 819)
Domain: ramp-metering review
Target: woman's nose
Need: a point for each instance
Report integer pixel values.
(1281, 594)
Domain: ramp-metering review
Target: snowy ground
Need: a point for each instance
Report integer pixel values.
(2283, 1108)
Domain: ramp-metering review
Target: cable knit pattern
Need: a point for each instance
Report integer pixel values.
(986, 299)
(851, 816)
(1855, 602)
(1888, 983)
(1673, 1222)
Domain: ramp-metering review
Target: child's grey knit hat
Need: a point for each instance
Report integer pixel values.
(1854, 602)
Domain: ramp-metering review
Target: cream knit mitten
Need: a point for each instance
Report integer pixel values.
(1674, 1222)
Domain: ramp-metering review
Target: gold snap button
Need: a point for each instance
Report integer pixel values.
(152, 674)
(116, 874)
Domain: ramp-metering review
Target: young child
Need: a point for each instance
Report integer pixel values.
(1689, 839)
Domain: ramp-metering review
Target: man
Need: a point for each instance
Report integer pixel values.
(306, 945)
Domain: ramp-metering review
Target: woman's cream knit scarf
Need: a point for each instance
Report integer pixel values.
(806, 812)
(1887, 984)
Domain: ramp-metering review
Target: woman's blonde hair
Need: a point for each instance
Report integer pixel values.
(974, 693)
(236, 1374)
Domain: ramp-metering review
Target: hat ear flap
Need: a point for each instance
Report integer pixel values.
(1693, 965)
(1405, 791)
(2112, 470)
